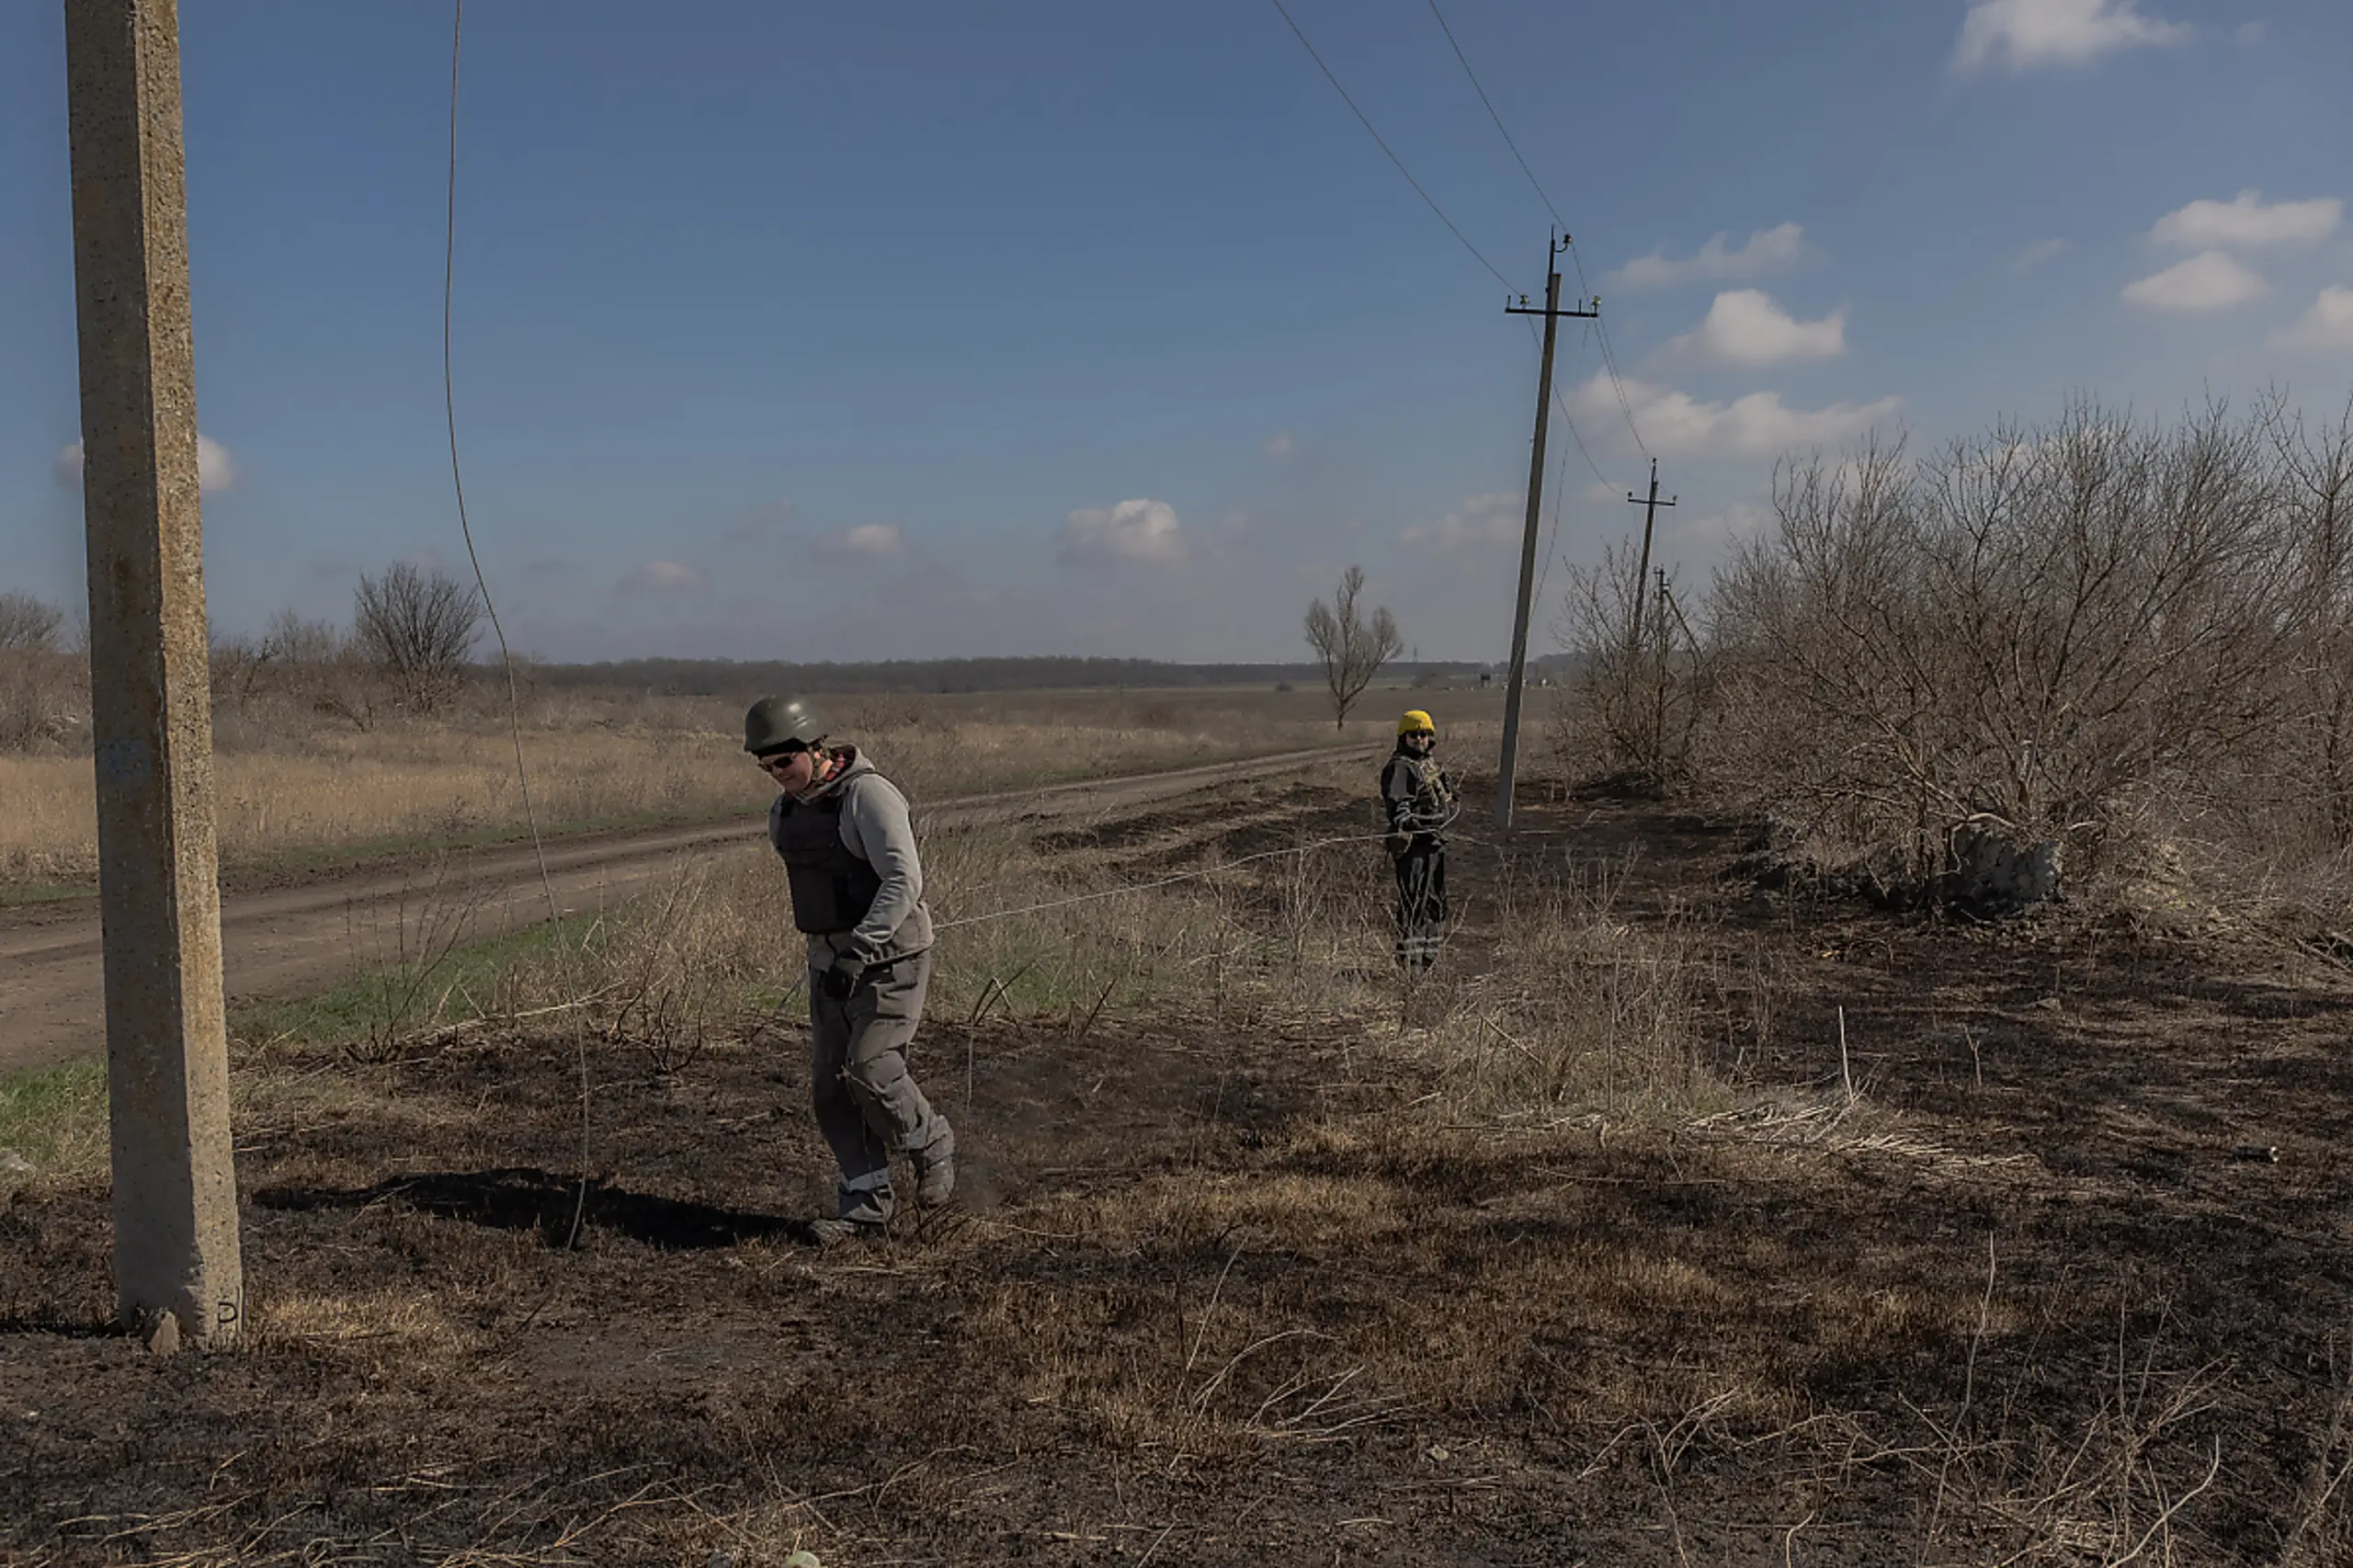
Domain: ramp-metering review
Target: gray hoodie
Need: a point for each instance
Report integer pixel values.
(875, 828)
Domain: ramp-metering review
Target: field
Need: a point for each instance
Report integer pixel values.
(298, 793)
(1673, 1220)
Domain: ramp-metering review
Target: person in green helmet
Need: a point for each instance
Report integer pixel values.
(1418, 798)
(857, 885)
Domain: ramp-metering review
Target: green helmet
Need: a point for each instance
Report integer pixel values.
(776, 722)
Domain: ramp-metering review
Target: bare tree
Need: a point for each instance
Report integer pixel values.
(418, 630)
(29, 625)
(1352, 651)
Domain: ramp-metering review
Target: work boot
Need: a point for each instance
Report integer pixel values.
(830, 1233)
(934, 1165)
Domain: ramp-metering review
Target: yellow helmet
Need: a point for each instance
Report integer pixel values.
(1416, 723)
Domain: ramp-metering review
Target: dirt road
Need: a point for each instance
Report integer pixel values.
(290, 941)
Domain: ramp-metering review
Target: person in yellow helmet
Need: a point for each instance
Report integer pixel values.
(1417, 797)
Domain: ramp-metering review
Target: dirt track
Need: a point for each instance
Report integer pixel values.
(286, 941)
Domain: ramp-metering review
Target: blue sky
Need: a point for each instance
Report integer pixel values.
(863, 332)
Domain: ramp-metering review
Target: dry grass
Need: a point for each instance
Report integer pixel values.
(287, 783)
(1267, 1253)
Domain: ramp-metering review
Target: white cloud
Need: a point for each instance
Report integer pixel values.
(1133, 530)
(865, 541)
(664, 577)
(215, 469)
(2325, 328)
(1759, 425)
(2041, 251)
(2207, 281)
(1766, 250)
(2244, 223)
(1479, 521)
(2249, 34)
(1745, 327)
(2020, 34)
(1278, 445)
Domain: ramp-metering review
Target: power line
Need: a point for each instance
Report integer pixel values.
(1475, 87)
(1618, 383)
(1609, 359)
(1427, 200)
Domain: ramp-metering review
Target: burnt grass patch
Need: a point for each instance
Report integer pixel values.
(1235, 1286)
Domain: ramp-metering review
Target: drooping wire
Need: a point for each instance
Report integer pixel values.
(457, 476)
(481, 581)
(1608, 356)
(1428, 200)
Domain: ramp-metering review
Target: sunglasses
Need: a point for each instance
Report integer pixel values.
(776, 759)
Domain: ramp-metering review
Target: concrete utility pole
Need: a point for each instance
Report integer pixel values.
(1551, 312)
(177, 1273)
(1643, 573)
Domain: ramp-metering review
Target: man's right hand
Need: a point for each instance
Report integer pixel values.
(841, 977)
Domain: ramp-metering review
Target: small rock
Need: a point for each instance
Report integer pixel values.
(803, 1559)
(14, 1163)
(720, 1557)
(164, 1334)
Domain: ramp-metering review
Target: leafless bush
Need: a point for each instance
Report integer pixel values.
(1642, 683)
(29, 625)
(43, 697)
(2037, 628)
(1352, 651)
(418, 632)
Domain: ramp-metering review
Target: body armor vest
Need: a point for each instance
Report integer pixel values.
(831, 888)
(1424, 802)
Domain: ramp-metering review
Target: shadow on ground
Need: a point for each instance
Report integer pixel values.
(558, 1208)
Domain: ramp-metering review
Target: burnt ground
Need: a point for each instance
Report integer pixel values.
(2067, 1279)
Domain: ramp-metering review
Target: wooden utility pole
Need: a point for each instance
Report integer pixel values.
(1508, 768)
(1643, 573)
(177, 1273)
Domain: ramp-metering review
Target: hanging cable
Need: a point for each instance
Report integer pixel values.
(457, 476)
(481, 581)
(1427, 200)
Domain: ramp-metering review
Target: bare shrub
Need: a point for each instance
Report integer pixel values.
(2034, 630)
(29, 625)
(1350, 649)
(418, 632)
(43, 699)
(1643, 682)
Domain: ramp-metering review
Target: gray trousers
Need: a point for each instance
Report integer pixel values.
(867, 1104)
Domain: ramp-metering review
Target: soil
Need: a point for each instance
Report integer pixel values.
(2021, 1242)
